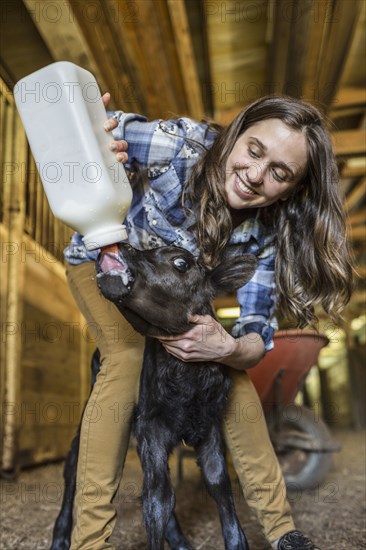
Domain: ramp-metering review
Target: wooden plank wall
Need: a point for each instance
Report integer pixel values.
(45, 345)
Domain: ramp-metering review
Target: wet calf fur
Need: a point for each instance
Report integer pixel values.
(157, 290)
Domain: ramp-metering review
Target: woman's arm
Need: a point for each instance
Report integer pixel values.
(155, 145)
(209, 341)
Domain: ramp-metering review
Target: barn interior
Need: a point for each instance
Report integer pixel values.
(164, 59)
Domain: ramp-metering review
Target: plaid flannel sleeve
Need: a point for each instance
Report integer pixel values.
(154, 145)
(257, 301)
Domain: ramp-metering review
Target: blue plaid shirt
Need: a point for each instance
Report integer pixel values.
(167, 151)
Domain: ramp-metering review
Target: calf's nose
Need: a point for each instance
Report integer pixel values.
(114, 286)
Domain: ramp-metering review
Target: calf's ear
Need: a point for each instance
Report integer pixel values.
(232, 273)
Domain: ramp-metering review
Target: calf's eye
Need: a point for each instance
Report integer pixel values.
(180, 264)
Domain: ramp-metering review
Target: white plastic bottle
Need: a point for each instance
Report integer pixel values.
(63, 115)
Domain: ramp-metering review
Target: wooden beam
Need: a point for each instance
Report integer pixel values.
(199, 35)
(358, 217)
(349, 142)
(296, 47)
(306, 47)
(278, 53)
(352, 75)
(226, 117)
(187, 61)
(316, 48)
(358, 233)
(96, 24)
(147, 40)
(226, 301)
(349, 97)
(142, 31)
(61, 32)
(354, 168)
(238, 52)
(15, 154)
(356, 195)
(170, 50)
(345, 185)
(361, 271)
(359, 297)
(309, 47)
(343, 21)
(338, 116)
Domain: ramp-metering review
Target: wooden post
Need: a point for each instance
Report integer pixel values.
(40, 371)
(15, 152)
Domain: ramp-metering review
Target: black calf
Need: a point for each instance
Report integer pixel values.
(156, 291)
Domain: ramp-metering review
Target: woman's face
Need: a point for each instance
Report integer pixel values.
(266, 163)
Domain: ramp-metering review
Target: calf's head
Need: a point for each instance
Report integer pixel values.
(156, 290)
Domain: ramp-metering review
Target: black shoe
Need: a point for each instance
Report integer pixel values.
(295, 540)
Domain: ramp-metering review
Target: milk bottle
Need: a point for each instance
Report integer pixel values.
(63, 115)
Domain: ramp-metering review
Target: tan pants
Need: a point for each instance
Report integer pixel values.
(106, 428)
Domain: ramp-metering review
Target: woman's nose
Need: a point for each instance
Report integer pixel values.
(255, 173)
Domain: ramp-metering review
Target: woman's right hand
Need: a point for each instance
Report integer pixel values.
(118, 146)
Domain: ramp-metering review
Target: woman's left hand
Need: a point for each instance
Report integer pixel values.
(206, 341)
(118, 147)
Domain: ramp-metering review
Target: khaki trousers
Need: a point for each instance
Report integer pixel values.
(106, 428)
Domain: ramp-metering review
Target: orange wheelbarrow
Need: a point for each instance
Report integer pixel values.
(301, 439)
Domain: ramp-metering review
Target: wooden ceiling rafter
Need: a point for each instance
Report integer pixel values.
(64, 40)
(357, 218)
(278, 54)
(127, 39)
(357, 233)
(180, 24)
(170, 50)
(354, 168)
(237, 47)
(151, 29)
(349, 96)
(197, 18)
(310, 48)
(344, 18)
(112, 43)
(109, 58)
(316, 46)
(356, 195)
(350, 142)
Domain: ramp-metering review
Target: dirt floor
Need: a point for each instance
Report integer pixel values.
(333, 515)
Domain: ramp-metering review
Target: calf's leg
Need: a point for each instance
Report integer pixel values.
(61, 537)
(210, 458)
(153, 445)
(174, 535)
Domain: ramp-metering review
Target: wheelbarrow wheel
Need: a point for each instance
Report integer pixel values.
(304, 448)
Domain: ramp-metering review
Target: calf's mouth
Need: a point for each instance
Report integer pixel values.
(114, 277)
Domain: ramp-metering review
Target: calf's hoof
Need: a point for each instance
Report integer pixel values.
(60, 544)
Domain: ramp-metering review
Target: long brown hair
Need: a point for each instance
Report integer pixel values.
(313, 264)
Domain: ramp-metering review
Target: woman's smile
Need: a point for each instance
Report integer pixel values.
(265, 164)
(242, 187)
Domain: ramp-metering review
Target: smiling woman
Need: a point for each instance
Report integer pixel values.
(268, 183)
(277, 156)
(265, 164)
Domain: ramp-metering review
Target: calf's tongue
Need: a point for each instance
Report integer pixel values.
(111, 262)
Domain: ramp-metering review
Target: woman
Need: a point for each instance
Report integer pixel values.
(270, 181)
